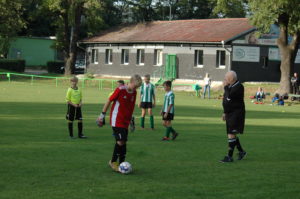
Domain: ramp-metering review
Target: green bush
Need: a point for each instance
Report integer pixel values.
(55, 66)
(17, 65)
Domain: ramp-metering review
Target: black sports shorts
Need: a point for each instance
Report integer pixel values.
(120, 134)
(73, 113)
(146, 105)
(170, 116)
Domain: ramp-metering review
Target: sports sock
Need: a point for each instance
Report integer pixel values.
(231, 144)
(168, 131)
(238, 145)
(123, 153)
(115, 153)
(70, 127)
(80, 126)
(172, 130)
(142, 122)
(151, 121)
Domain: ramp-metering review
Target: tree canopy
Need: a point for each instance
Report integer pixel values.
(284, 13)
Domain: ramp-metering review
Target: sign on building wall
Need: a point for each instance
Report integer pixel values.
(274, 55)
(245, 54)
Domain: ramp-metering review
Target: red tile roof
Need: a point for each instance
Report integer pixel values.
(185, 31)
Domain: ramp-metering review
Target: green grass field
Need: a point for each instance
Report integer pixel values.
(38, 160)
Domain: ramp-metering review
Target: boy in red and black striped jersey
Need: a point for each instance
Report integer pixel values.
(123, 98)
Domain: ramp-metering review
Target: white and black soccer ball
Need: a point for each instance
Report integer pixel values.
(125, 168)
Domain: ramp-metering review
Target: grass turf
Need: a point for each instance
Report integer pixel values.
(38, 160)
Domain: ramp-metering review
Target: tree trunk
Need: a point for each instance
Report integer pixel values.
(285, 69)
(287, 55)
(70, 59)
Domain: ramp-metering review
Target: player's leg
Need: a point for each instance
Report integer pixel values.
(78, 116)
(151, 118)
(70, 117)
(241, 153)
(143, 117)
(70, 128)
(168, 130)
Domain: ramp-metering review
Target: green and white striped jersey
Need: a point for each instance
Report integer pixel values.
(147, 92)
(169, 99)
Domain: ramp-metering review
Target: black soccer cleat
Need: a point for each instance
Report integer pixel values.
(175, 135)
(227, 159)
(241, 155)
(82, 137)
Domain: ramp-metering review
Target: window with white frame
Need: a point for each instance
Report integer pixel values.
(158, 57)
(108, 56)
(221, 59)
(95, 56)
(140, 57)
(125, 56)
(198, 58)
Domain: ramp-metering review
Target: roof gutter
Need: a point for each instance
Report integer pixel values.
(240, 35)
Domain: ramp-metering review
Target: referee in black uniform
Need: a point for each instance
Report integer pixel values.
(234, 114)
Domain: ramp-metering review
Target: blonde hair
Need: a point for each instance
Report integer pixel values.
(74, 79)
(136, 80)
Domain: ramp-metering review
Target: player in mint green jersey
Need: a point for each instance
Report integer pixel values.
(167, 111)
(147, 101)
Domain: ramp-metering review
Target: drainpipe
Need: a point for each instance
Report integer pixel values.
(230, 51)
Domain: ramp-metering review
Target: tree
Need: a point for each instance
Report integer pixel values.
(10, 22)
(39, 19)
(70, 15)
(193, 9)
(230, 8)
(286, 14)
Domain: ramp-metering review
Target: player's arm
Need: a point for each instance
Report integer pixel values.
(153, 96)
(168, 110)
(141, 97)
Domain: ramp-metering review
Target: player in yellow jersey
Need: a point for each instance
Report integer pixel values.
(74, 101)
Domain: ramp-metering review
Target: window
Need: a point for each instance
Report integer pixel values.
(221, 57)
(158, 55)
(125, 57)
(140, 57)
(95, 56)
(198, 59)
(108, 56)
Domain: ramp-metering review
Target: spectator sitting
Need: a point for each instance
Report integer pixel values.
(260, 95)
(281, 101)
(275, 98)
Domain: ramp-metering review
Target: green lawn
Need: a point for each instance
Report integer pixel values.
(39, 161)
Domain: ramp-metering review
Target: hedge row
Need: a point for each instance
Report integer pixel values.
(55, 66)
(17, 65)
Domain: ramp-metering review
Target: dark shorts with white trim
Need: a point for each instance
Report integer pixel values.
(235, 122)
(120, 134)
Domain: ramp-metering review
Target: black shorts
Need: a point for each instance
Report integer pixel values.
(73, 113)
(120, 134)
(235, 122)
(146, 105)
(169, 117)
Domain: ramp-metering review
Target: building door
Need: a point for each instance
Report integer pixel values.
(171, 67)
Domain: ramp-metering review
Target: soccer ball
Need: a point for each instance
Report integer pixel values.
(125, 168)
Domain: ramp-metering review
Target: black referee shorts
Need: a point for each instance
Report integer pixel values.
(235, 122)
(73, 113)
